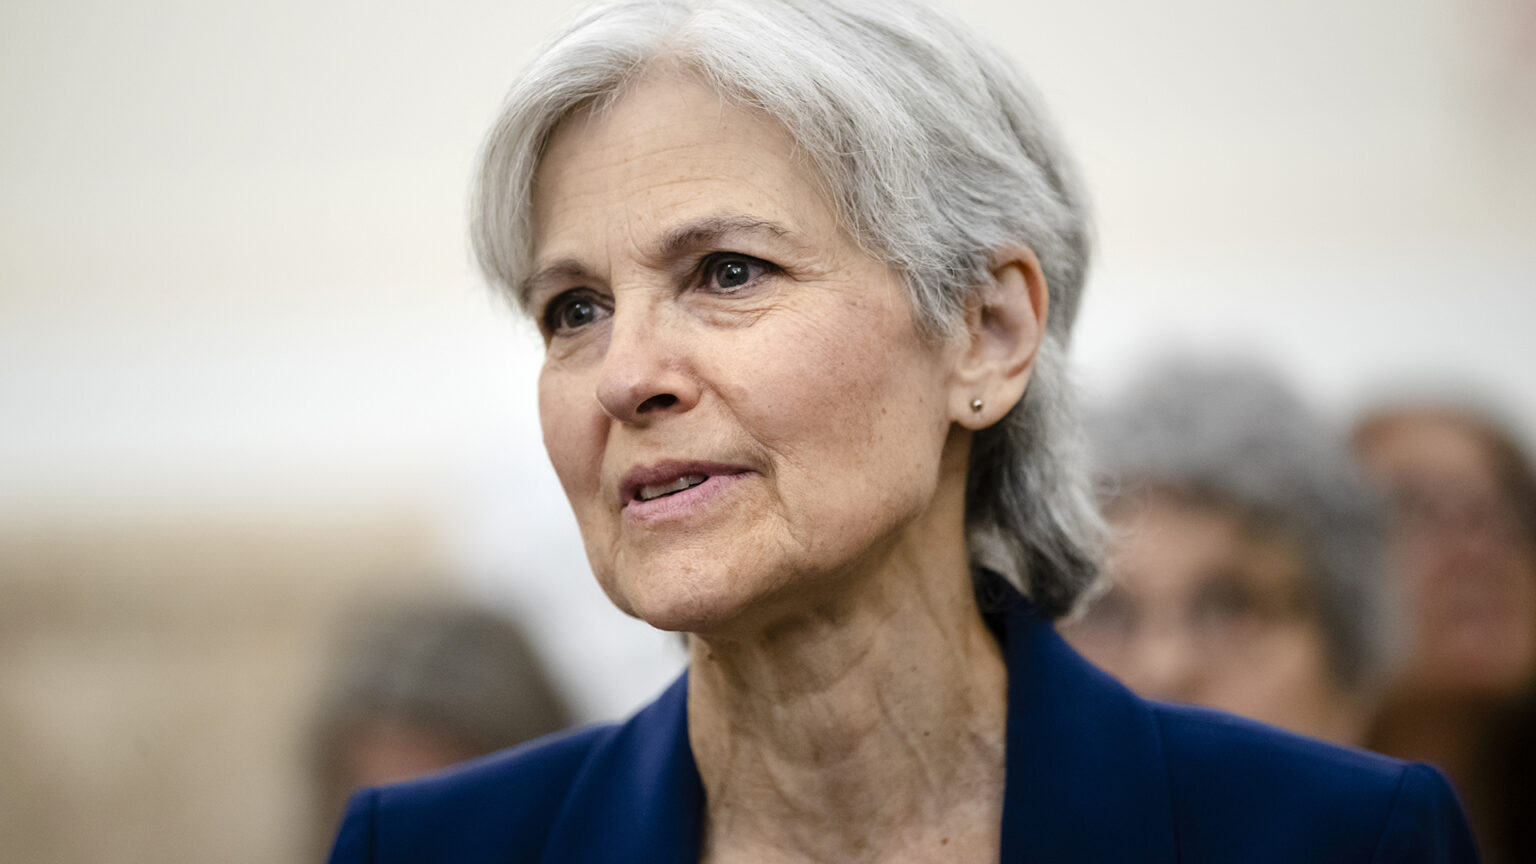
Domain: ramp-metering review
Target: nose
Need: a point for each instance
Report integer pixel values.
(646, 371)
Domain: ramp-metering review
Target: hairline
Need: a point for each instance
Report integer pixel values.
(942, 157)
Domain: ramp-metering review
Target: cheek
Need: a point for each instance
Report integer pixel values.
(852, 412)
(572, 439)
(574, 436)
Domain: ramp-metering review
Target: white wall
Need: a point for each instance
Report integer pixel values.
(234, 277)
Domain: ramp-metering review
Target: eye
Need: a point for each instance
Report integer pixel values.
(729, 272)
(1224, 600)
(572, 310)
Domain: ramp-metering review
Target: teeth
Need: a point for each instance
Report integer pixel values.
(686, 481)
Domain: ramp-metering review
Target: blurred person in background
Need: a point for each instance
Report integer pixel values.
(420, 684)
(1463, 555)
(1241, 573)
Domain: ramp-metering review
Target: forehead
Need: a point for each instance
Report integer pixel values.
(669, 150)
(1169, 545)
(1433, 450)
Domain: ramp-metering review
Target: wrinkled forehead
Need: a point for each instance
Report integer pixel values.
(668, 158)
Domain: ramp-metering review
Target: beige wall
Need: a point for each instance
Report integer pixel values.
(157, 680)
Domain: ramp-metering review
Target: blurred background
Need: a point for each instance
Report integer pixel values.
(250, 379)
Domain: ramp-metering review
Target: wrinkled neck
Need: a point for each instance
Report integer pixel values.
(868, 728)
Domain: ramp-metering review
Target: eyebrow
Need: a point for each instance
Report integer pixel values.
(709, 232)
(565, 269)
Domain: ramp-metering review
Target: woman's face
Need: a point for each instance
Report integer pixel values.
(1467, 571)
(734, 395)
(1204, 609)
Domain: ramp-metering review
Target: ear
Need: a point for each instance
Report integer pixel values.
(1004, 324)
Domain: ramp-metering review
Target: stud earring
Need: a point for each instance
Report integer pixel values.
(975, 404)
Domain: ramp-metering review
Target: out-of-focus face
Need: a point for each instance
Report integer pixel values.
(1206, 610)
(1467, 571)
(389, 751)
(734, 395)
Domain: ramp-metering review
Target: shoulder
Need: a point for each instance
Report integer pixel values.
(479, 811)
(1242, 786)
(539, 802)
(1095, 773)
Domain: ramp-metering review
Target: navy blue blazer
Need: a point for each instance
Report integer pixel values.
(1094, 774)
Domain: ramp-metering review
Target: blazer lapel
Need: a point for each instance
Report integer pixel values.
(1086, 776)
(639, 797)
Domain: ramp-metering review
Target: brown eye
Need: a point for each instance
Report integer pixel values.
(1224, 600)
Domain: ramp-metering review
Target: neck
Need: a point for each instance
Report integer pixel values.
(869, 728)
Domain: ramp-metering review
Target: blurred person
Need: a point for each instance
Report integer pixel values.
(420, 684)
(1241, 573)
(806, 271)
(1463, 554)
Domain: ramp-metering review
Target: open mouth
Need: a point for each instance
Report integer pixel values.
(674, 488)
(662, 490)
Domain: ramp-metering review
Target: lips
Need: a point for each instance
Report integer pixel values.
(649, 483)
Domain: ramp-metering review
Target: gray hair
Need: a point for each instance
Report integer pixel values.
(934, 151)
(1234, 436)
(449, 667)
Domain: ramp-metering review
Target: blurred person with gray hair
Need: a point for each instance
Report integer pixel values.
(1243, 569)
(418, 684)
(806, 272)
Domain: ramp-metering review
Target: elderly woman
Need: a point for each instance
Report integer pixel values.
(806, 272)
(1243, 568)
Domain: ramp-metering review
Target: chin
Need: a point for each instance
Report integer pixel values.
(716, 600)
(687, 612)
(683, 616)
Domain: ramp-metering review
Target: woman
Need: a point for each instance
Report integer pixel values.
(1243, 567)
(1463, 555)
(797, 265)
(418, 684)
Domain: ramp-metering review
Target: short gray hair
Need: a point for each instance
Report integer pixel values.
(1233, 435)
(445, 666)
(935, 152)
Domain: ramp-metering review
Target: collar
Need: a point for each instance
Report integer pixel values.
(1086, 778)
